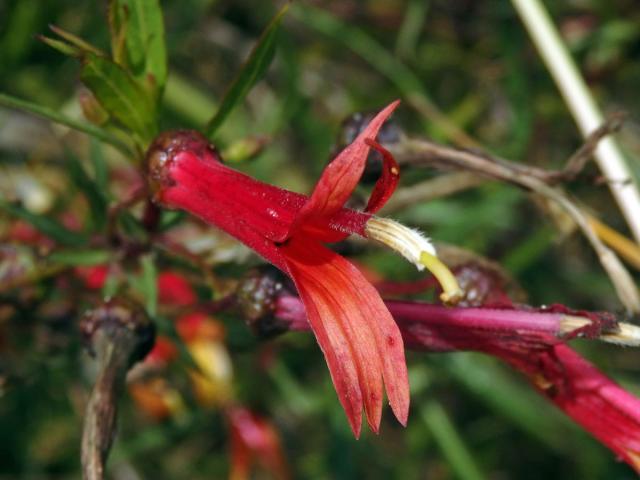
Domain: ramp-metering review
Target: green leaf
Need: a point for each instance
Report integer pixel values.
(100, 169)
(95, 198)
(139, 24)
(450, 442)
(63, 47)
(46, 225)
(75, 257)
(55, 116)
(149, 284)
(120, 95)
(74, 40)
(252, 71)
(170, 218)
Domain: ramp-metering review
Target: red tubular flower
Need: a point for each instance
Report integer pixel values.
(531, 341)
(360, 341)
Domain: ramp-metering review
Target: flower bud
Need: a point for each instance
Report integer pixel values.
(257, 294)
(169, 145)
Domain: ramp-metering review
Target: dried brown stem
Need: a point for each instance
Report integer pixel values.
(118, 335)
(431, 189)
(424, 153)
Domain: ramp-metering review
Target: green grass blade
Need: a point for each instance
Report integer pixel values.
(252, 71)
(75, 257)
(408, 84)
(46, 225)
(458, 455)
(149, 284)
(92, 192)
(54, 116)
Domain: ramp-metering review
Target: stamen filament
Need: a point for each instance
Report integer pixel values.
(416, 248)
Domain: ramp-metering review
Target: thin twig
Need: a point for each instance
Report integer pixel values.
(582, 106)
(421, 152)
(119, 335)
(431, 189)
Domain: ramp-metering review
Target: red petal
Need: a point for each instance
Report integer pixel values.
(342, 175)
(388, 181)
(361, 342)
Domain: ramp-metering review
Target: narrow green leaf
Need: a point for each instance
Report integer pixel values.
(120, 95)
(75, 257)
(55, 116)
(100, 169)
(149, 284)
(140, 23)
(484, 378)
(46, 225)
(450, 442)
(252, 71)
(131, 225)
(169, 219)
(118, 30)
(76, 41)
(110, 287)
(95, 198)
(411, 28)
(63, 47)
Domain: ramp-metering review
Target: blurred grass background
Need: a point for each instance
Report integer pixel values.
(471, 418)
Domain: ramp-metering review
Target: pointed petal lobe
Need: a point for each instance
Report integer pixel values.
(388, 181)
(360, 340)
(342, 175)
